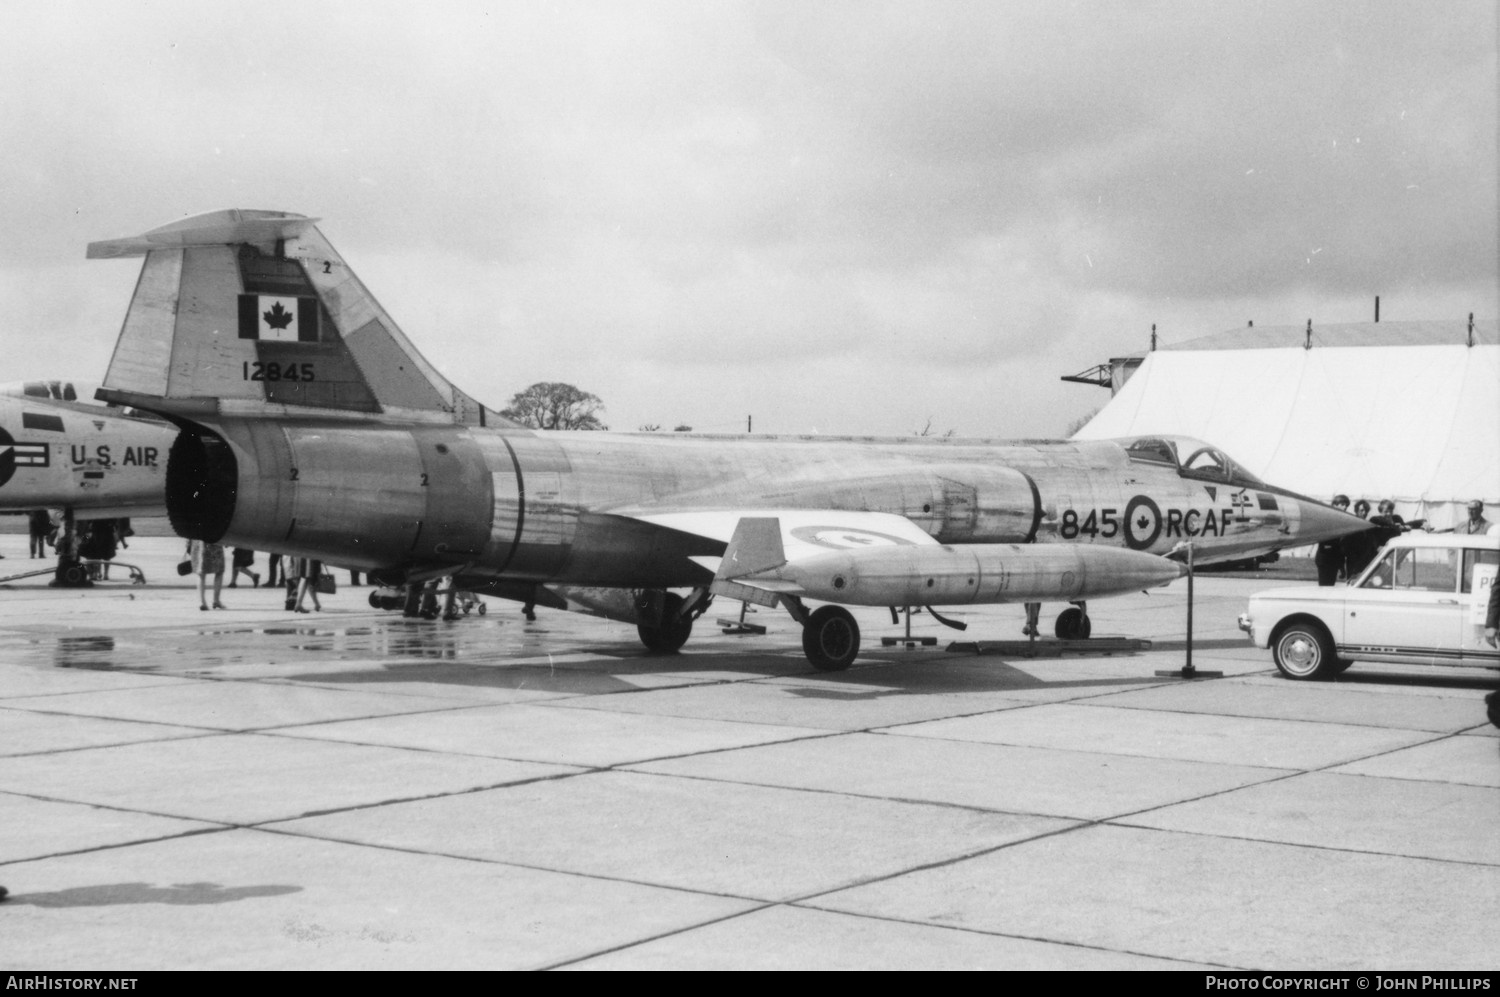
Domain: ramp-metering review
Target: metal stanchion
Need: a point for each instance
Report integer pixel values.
(1188, 671)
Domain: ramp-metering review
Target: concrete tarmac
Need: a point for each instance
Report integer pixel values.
(251, 788)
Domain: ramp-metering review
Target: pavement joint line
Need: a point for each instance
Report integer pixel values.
(904, 800)
(992, 933)
(1279, 843)
(13, 701)
(194, 735)
(508, 863)
(1079, 824)
(1437, 736)
(1256, 716)
(583, 768)
(658, 937)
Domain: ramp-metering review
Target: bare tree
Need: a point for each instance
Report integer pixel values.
(926, 430)
(554, 405)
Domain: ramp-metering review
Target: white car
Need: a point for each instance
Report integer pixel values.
(1421, 601)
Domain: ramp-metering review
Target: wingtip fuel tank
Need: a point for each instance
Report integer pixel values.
(947, 575)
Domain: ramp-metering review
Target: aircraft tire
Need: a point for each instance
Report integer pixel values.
(830, 639)
(1304, 650)
(668, 638)
(1072, 624)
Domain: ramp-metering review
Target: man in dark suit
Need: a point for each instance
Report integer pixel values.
(1331, 556)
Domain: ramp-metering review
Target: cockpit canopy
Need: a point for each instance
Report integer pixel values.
(1192, 459)
(62, 391)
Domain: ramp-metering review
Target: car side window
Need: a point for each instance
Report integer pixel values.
(1419, 570)
(1472, 558)
(1430, 570)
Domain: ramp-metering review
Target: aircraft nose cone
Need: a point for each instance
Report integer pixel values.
(1319, 522)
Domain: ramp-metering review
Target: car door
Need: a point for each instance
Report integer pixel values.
(1408, 606)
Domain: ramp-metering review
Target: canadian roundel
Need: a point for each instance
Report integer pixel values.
(846, 538)
(1142, 523)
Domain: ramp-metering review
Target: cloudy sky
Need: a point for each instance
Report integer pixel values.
(839, 217)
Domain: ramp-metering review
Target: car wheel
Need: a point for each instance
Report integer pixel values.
(1304, 650)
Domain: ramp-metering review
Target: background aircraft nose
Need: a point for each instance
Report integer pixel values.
(1323, 522)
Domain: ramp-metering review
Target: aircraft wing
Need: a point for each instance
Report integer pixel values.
(804, 532)
(761, 539)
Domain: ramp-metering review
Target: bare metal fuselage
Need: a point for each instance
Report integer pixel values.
(83, 458)
(568, 507)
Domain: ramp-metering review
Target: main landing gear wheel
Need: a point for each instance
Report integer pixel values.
(674, 630)
(1072, 624)
(1305, 651)
(830, 639)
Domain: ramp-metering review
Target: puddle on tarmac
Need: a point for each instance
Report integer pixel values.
(95, 652)
(212, 648)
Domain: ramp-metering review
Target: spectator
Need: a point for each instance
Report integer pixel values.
(1476, 524)
(274, 573)
(97, 543)
(208, 559)
(1360, 548)
(243, 559)
(308, 571)
(1492, 636)
(1331, 557)
(41, 528)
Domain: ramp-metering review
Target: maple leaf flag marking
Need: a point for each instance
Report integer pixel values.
(278, 318)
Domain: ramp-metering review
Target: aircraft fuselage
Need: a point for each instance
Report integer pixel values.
(575, 507)
(81, 457)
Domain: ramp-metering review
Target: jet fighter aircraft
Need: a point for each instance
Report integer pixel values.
(310, 425)
(60, 449)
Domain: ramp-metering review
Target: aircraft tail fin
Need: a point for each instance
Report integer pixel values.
(253, 313)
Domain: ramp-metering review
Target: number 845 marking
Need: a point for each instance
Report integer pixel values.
(1105, 524)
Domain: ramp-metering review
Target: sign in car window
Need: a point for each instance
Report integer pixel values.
(1478, 580)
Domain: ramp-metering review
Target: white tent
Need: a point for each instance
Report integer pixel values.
(1405, 411)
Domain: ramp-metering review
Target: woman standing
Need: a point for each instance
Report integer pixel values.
(208, 559)
(308, 571)
(243, 560)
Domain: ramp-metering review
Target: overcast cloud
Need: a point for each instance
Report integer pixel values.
(840, 217)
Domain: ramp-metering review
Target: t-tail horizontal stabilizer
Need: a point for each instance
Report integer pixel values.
(253, 313)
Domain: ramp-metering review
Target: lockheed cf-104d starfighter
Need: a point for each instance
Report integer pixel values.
(309, 425)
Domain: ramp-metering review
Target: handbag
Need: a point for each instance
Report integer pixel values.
(326, 584)
(184, 567)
